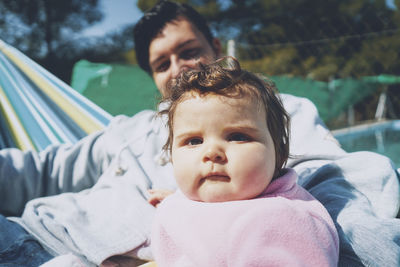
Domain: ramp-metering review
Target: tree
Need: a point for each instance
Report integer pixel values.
(51, 22)
(309, 38)
(314, 38)
(43, 28)
(208, 8)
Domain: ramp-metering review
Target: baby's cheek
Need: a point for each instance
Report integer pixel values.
(180, 176)
(185, 172)
(259, 163)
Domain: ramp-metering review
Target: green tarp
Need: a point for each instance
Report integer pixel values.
(117, 88)
(126, 89)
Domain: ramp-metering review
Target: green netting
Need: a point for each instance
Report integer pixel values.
(126, 89)
(383, 79)
(331, 98)
(117, 88)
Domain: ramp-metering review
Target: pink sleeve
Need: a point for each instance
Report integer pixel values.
(282, 236)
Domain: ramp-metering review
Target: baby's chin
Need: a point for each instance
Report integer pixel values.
(219, 189)
(214, 196)
(216, 189)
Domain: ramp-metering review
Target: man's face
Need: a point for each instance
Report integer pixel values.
(179, 46)
(222, 149)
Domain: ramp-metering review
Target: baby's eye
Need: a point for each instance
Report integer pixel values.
(239, 137)
(194, 141)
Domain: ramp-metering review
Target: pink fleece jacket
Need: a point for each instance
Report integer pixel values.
(284, 226)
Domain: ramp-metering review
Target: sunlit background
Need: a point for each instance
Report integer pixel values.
(342, 55)
(117, 14)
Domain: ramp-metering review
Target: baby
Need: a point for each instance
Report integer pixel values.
(236, 204)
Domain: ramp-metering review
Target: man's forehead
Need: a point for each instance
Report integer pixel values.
(180, 24)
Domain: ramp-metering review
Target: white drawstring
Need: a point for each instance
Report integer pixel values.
(120, 170)
(162, 158)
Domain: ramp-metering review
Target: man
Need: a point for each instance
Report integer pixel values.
(87, 202)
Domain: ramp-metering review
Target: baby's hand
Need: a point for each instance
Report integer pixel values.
(158, 195)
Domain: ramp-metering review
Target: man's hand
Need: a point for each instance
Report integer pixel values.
(158, 195)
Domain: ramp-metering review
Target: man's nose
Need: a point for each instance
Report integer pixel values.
(178, 65)
(215, 153)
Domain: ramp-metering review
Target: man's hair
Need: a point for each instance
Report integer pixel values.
(153, 22)
(225, 77)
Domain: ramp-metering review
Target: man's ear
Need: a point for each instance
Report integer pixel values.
(217, 47)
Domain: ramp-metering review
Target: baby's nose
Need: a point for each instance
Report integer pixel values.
(214, 153)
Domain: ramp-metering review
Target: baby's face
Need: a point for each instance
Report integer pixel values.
(222, 149)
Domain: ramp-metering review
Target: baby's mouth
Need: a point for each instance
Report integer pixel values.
(215, 177)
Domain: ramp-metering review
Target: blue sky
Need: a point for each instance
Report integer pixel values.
(391, 4)
(117, 13)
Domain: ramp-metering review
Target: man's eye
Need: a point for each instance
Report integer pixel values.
(239, 137)
(190, 53)
(194, 141)
(162, 67)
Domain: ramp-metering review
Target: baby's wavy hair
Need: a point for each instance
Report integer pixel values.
(226, 78)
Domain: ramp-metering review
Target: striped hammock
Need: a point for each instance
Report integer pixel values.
(37, 109)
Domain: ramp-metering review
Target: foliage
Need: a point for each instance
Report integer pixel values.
(49, 31)
(208, 8)
(309, 38)
(145, 5)
(317, 39)
(51, 22)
